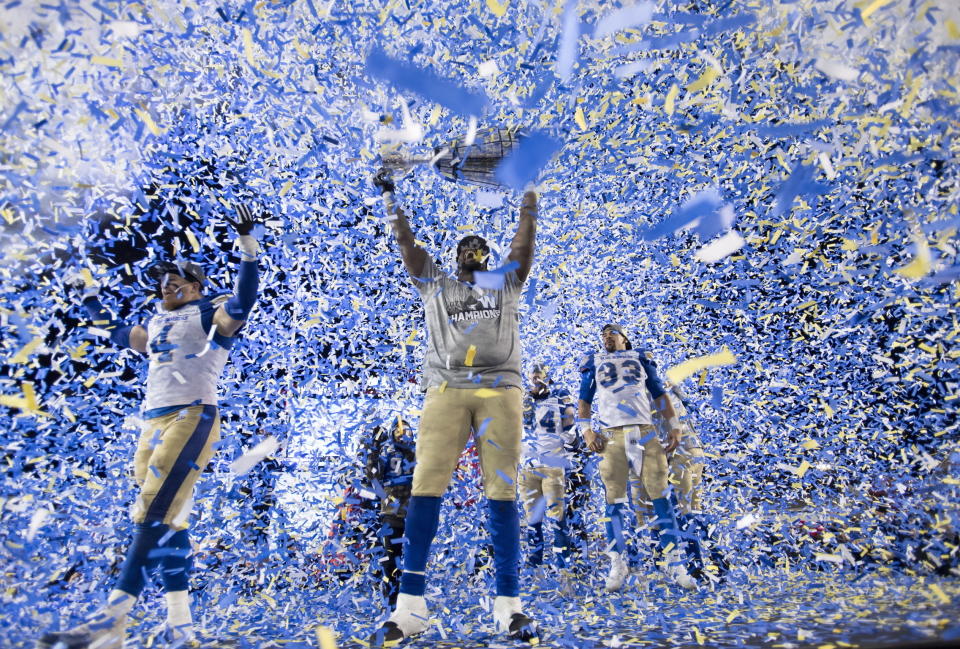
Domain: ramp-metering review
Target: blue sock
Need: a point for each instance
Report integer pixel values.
(142, 557)
(176, 564)
(505, 534)
(690, 533)
(667, 522)
(614, 528)
(535, 541)
(423, 516)
(561, 543)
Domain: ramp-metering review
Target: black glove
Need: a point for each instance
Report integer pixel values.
(245, 220)
(384, 182)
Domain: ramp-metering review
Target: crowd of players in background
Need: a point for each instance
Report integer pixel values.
(360, 547)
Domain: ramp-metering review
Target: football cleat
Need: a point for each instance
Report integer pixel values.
(104, 631)
(409, 619)
(511, 620)
(178, 637)
(678, 572)
(618, 572)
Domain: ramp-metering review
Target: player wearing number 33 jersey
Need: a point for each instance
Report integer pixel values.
(625, 382)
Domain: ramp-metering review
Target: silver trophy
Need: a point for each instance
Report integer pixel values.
(473, 163)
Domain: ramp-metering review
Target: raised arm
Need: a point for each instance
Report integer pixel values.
(413, 255)
(231, 315)
(122, 335)
(521, 248)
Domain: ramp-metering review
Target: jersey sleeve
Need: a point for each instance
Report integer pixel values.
(208, 308)
(654, 384)
(428, 277)
(588, 379)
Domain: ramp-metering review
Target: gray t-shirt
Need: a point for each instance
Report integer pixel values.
(460, 319)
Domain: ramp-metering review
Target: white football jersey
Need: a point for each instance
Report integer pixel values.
(625, 381)
(544, 442)
(186, 356)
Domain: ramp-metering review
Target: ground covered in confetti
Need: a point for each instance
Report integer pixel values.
(765, 194)
(781, 608)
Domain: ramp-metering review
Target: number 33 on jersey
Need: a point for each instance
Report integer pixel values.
(625, 382)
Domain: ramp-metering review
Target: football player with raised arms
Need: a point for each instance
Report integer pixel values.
(187, 342)
(472, 380)
(549, 422)
(624, 381)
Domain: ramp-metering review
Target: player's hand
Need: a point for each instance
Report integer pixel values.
(245, 220)
(384, 181)
(595, 443)
(673, 440)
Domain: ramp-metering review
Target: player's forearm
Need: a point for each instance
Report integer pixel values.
(665, 408)
(583, 411)
(522, 245)
(412, 254)
(247, 287)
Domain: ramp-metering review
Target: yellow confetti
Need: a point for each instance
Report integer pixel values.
(248, 47)
(678, 373)
(326, 638)
(876, 4)
(496, 8)
(471, 354)
(580, 119)
(286, 187)
(952, 29)
(732, 616)
(942, 596)
(704, 81)
(193, 240)
(810, 444)
(920, 265)
(148, 122)
(485, 393)
(668, 105)
(802, 469)
(26, 403)
(107, 61)
(25, 351)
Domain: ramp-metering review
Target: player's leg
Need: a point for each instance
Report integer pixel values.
(170, 455)
(553, 488)
(643, 508)
(166, 501)
(444, 430)
(613, 472)
(499, 425)
(654, 474)
(532, 496)
(175, 567)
